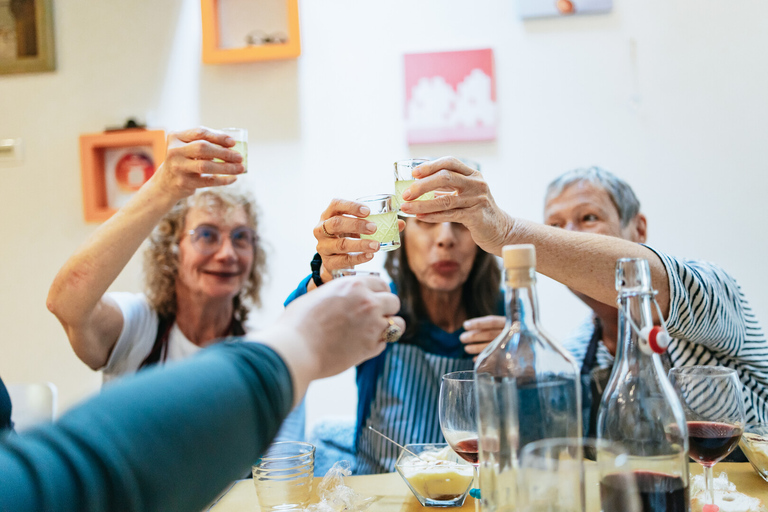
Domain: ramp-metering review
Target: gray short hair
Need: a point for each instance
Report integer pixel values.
(622, 195)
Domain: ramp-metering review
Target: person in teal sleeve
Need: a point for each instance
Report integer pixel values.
(172, 438)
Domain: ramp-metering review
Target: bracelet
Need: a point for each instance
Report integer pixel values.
(315, 265)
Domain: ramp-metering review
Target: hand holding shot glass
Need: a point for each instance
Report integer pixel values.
(384, 215)
(241, 143)
(351, 232)
(404, 179)
(424, 189)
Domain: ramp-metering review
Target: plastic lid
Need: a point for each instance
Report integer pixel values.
(519, 256)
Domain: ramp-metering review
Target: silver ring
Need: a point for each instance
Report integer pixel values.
(325, 231)
(392, 333)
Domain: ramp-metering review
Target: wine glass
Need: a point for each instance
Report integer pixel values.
(714, 412)
(571, 474)
(458, 416)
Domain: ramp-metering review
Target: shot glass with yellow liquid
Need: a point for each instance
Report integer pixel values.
(404, 179)
(241, 143)
(384, 215)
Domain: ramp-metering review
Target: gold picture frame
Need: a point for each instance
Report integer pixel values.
(26, 36)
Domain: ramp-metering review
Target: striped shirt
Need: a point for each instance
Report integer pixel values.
(711, 323)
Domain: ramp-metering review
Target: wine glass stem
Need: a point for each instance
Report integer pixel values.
(709, 485)
(476, 485)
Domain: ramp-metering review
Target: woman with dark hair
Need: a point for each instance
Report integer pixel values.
(447, 286)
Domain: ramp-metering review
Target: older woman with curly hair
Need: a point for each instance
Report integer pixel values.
(204, 265)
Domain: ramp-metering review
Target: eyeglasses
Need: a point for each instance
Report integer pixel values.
(207, 239)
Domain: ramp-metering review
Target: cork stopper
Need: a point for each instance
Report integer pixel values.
(519, 256)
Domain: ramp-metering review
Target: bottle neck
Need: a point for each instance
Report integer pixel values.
(634, 315)
(520, 300)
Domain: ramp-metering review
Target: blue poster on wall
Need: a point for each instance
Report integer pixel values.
(547, 8)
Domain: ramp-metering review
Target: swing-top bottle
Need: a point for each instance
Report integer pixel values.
(639, 407)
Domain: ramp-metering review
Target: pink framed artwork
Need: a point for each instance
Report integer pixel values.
(450, 96)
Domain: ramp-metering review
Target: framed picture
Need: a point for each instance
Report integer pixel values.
(450, 96)
(548, 8)
(248, 30)
(26, 36)
(114, 165)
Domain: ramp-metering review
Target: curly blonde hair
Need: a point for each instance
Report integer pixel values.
(161, 259)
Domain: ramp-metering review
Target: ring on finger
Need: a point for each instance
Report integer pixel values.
(325, 231)
(392, 333)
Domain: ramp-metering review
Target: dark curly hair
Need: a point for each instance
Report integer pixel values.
(161, 259)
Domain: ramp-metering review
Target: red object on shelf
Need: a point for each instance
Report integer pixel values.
(96, 207)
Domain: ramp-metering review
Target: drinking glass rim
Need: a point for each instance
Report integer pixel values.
(406, 160)
(339, 271)
(454, 376)
(374, 197)
(614, 447)
(266, 457)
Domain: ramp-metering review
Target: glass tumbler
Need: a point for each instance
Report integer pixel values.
(404, 179)
(384, 215)
(283, 476)
(241, 142)
(576, 475)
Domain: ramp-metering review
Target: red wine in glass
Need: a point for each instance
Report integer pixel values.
(467, 449)
(711, 441)
(658, 492)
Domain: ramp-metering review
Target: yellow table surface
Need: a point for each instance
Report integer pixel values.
(394, 495)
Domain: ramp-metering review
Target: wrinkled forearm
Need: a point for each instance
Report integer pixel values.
(76, 294)
(585, 262)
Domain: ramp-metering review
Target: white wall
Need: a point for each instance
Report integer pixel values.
(670, 94)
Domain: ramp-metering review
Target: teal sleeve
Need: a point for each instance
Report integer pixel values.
(167, 438)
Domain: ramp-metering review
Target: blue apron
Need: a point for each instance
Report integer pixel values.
(404, 405)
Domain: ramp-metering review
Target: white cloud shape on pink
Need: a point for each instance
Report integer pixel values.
(435, 104)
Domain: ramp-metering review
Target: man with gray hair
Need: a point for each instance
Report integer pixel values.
(592, 218)
(592, 200)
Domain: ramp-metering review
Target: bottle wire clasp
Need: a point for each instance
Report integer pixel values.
(652, 339)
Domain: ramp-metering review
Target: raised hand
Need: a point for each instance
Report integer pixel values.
(189, 162)
(340, 325)
(338, 236)
(481, 331)
(462, 196)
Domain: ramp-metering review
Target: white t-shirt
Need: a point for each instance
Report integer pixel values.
(138, 336)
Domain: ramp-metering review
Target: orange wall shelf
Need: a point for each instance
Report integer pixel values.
(214, 54)
(92, 165)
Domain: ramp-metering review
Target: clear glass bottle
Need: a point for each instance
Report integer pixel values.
(528, 386)
(639, 408)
